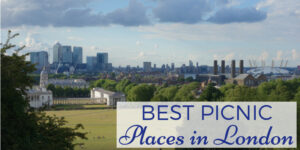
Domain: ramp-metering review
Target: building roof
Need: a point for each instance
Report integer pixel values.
(111, 93)
(242, 76)
(38, 90)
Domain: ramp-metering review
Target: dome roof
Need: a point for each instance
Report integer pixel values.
(268, 70)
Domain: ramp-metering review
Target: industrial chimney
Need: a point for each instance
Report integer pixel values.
(233, 68)
(223, 67)
(215, 67)
(241, 66)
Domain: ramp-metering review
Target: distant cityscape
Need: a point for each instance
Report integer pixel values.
(69, 60)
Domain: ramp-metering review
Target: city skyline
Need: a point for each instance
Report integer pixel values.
(262, 30)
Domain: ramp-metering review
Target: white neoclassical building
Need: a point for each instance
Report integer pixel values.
(39, 97)
(109, 97)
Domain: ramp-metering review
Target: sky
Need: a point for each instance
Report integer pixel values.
(160, 31)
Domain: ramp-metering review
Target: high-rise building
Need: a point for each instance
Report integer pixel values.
(147, 66)
(191, 63)
(66, 54)
(77, 55)
(172, 66)
(39, 58)
(57, 53)
(102, 60)
(91, 62)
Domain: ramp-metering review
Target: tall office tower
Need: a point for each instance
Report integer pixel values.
(91, 62)
(172, 66)
(66, 54)
(190, 63)
(154, 66)
(57, 53)
(241, 66)
(215, 67)
(102, 60)
(223, 66)
(233, 68)
(39, 58)
(147, 66)
(77, 55)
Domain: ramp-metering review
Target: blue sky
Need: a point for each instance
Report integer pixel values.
(160, 31)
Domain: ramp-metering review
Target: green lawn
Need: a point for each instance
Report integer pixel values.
(100, 125)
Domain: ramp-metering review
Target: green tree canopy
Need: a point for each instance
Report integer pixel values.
(141, 92)
(210, 93)
(23, 128)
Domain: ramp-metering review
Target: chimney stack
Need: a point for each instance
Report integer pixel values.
(223, 67)
(241, 66)
(215, 67)
(233, 68)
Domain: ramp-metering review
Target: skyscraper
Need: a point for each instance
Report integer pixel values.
(102, 60)
(57, 53)
(39, 58)
(91, 62)
(66, 54)
(77, 55)
(173, 66)
(147, 66)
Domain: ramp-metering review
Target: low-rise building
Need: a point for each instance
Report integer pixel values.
(39, 97)
(246, 80)
(110, 97)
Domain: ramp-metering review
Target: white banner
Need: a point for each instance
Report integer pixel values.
(206, 124)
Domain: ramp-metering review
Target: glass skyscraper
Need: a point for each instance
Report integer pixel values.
(77, 55)
(39, 58)
(57, 53)
(66, 54)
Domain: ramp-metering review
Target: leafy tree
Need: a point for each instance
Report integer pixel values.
(185, 93)
(141, 92)
(121, 86)
(23, 128)
(165, 94)
(51, 87)
(241, 93)
(128, 87)
(210, 93)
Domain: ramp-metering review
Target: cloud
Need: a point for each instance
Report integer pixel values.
(229, 57)
(156, 46)
(194, 11)
(73, 13)
(138, 43)
(278, 55)
(230, 15)
(32, 44)
(74, 38)
(187, 11)
(133, 15)
(294, 54)
(264, 56)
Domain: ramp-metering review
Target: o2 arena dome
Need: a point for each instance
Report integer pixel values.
(268, 71)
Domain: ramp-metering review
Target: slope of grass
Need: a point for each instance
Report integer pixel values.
(100, 125)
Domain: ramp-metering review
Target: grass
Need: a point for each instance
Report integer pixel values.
(100, 125)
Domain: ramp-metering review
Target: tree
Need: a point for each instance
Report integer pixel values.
(122, 85)
(210, 93)
(185, 93)
(21, 127)
(165, 94)
(141, 92)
